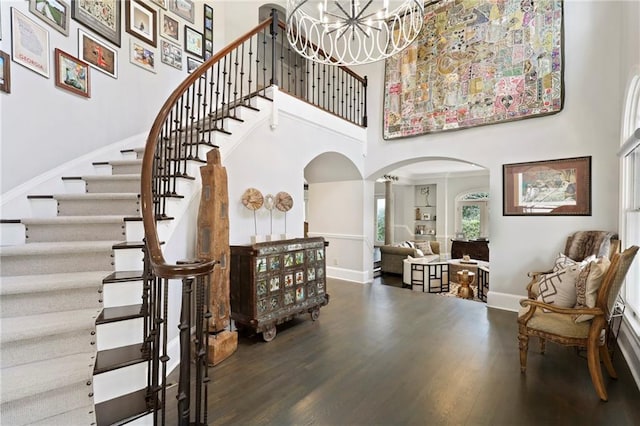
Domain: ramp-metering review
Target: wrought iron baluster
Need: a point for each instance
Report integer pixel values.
(235, 85)
(184, 387)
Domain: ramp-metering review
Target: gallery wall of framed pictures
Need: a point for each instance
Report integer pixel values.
(169, 26)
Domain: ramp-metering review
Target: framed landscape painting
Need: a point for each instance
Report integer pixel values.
(53, 12)
(98, 54)
(101, 16)
(72, 74)
(29, 43)
(193, 41)
(548, 188)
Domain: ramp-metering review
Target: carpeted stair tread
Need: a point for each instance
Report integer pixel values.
(25, 380)
(128, 176)
(51, 282)
(79, 416)
(57, 247)
(73, 220)
(98, 196)
(34, 326)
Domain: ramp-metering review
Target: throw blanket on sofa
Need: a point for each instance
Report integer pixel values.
(585, 243)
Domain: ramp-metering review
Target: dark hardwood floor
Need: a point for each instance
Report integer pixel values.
(387, 356)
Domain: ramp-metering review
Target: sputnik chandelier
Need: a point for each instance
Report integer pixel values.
(352, 32)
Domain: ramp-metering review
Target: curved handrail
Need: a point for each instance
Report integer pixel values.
(156, 257)
(186, 113)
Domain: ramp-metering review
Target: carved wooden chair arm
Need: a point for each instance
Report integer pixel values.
(536, 274)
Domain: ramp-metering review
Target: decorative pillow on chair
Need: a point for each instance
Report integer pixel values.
(563, 261)
(425, 247)
(598, 268)
(559, 288)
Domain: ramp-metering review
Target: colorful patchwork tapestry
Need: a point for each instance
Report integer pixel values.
(476, 62)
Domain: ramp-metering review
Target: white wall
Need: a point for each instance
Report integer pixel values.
(38, 117)
(588, 125)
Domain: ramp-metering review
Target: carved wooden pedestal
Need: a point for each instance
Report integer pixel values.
(213, 243)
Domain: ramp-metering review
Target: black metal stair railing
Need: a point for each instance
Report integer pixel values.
(200, 106)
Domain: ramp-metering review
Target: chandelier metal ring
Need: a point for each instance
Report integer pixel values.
(352, 32)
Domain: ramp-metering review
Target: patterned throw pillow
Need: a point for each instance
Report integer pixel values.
(425, 247)
(563, 261)
(559, 288)
(597, 271)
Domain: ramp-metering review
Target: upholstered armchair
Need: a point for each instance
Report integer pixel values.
(584, 327)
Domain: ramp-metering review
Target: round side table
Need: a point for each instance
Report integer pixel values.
(465, 278)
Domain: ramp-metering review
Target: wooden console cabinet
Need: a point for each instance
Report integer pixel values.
(477, 249)
(272, 282)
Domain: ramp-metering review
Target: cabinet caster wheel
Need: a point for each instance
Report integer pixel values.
(315, 314)
(269, 334)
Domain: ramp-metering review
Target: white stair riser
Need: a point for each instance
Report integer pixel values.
(30, 350)
(56, 263)
(75, 232)
(128, 259)
(17, 413)
(74, 186)
(14, 305)
(122, 333)
(127, 207)
(134, 230)
(119, 382)
(122, 294)
(43, 207)
(12, 234)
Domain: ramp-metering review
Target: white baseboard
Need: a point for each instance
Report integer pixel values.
(361, 277)
(630, 348)
(504, 301)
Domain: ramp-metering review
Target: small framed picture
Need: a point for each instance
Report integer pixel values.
(183, 8)
(72, 74)
(141, 21)
(426, 216)
(193, 42)
(161, 3)
(192, 64)
(5, 72)
(208, 30)
(102, 17)
(141, 56)
(98, 54)
(29, 43)
(53, 12)
(171, 54)
(170, 28)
